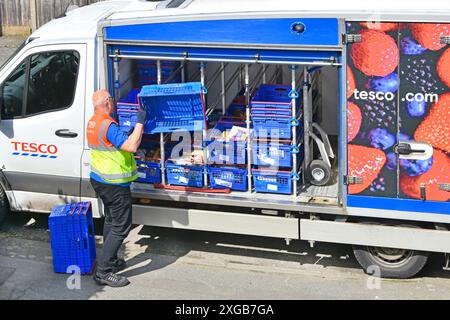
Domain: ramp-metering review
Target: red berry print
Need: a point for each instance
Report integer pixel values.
(443, 67)
(354, 120)
(439, 173)
(351, 84)
(435, 128)
(380, 26)
(376, 55)
(366, 163)
(429, 34)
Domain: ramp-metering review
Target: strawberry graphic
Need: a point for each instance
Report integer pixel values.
(366, 163)
(354, 120)
(435, 128)
(439, 173)
(380, 26)
(376, 55)
(443, 67)
(429, 34)
(351, 84)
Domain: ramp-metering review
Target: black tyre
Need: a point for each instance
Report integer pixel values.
(4, 206)
(390, 263)
(318, 173)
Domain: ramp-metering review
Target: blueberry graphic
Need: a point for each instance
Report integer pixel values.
(415, 168)
(410, 47)
(390, 83)
(391, 161)
(403, 137)
(378, 185)
(381, 138)
(416, 108)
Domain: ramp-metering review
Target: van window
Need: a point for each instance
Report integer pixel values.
(43, 82)
(11, 93)
(52, 81)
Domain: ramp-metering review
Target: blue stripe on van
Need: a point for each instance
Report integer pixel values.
(398, 204)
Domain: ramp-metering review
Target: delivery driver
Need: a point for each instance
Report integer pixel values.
(113, 168)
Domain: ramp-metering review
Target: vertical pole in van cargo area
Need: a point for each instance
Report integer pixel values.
(294, 96)
(161, 135)
(223, 94)
(205, 154)
(306, 119)
(247, 121)
(116, 76)
(264, 75)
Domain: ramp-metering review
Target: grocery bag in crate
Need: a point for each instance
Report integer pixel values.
(173, 107)
(72, 238)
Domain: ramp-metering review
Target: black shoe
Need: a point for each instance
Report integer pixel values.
(120, 265)
(111, 279)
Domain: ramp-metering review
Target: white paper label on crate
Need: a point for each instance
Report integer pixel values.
(272, 187)
(142, 175)
(266, 159)
(183, 180)
(224, 183)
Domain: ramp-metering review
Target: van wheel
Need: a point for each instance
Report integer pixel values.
(318, 173)
(4, 206)
(389, 262)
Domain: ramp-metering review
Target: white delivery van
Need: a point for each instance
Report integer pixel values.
(364, 97)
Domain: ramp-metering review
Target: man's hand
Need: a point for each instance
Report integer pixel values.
(141, 117)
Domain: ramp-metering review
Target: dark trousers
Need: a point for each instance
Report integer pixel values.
(117, 203)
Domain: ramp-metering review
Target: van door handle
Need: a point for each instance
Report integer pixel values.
(66, 133)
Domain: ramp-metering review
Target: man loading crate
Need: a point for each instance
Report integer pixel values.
(113, 168)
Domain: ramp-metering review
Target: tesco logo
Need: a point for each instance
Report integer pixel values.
(34, 147)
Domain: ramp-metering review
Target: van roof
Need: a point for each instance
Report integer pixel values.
(82, 23)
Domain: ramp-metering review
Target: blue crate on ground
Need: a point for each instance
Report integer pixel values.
(188, 176)
(149, 172)
(173, 107)
(228, 178)
(272, 154)
(266, 181)
(72, 238)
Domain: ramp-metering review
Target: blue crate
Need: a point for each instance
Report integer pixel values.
(266, 181)
(149, 172)
(275, 127)
(230, 152)
(127, 120)
(228, 178)
(173, 107)
(272, 154)
(72, 237)
(188, 176)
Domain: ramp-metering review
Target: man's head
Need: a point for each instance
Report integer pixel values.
(102, 101)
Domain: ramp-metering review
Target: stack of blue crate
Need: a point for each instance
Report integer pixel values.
(273, 146)
(148, 72)
(72, 238)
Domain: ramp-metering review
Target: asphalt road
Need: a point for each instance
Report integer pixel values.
(177, 264)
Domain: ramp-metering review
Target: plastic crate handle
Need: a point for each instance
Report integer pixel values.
(294, 149)
(295, 176)
(293, 122)
(293, 94)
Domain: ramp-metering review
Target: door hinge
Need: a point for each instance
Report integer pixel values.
(444, 186)
(353, 180)
(445, 39)
(351, 38)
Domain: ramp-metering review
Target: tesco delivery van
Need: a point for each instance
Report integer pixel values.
(325, 125)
